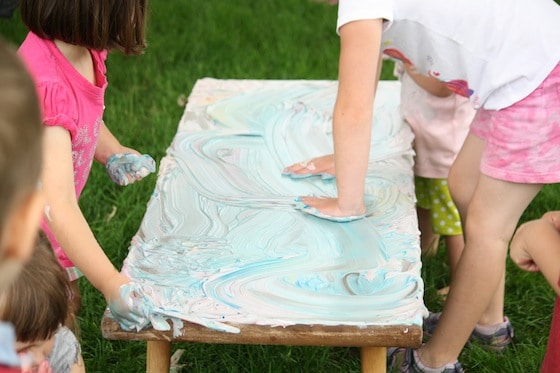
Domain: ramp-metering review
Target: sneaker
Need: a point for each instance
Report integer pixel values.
(498, 340)
(403, 360)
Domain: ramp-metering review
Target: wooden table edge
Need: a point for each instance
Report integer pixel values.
(372, 340)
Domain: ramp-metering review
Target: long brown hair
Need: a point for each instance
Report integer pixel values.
(94, 24)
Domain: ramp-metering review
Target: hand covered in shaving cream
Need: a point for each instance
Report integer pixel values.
(328, 209)
(131, 308)
(322, 166)
(126, 168)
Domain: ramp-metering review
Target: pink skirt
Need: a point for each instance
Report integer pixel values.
(523, 140)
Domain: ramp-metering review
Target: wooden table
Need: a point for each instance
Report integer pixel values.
(372, 338)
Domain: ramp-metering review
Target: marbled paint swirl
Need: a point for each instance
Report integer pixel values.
(221, 242)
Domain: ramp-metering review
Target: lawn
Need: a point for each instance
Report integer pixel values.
(265, 39)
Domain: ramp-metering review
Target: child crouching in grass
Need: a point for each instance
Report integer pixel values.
(37, 305)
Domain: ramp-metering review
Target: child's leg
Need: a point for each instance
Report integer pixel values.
(492, 217)
(428, 239)
(494, 313)
(454, 246)
(444, 220)
(494, 208)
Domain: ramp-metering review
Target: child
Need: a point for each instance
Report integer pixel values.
(536, 247)
(21, 203)
(37, 305)
(440, 121)
(65, 52)
(504, 56)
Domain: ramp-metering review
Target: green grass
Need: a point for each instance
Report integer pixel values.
(264, 39)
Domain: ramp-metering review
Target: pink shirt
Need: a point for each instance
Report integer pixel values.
(70, 101)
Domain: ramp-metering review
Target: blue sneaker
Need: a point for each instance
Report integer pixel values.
(403, 360)
(498, 340)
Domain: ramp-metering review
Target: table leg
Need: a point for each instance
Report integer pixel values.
(374, 359)
(158, 357)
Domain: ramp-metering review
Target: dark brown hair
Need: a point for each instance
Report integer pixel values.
(20, 132)
(36, 303)
(94, 24)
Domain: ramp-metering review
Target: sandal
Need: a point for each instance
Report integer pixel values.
(498, 340)
(404, 360)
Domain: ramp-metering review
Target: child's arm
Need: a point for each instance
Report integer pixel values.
(430, 84)
(108, 144)
(66, 219)
(359, 67)
(124, 165)
(536, 247)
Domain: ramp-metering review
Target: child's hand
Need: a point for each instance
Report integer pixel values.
(128, 305)
(320, 166)
(130, 308)
(518, 247)
(535, 246)
(126, 168)
(553, 217)
(329, 209)
(530, 237)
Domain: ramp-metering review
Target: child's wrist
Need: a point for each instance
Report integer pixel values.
(111, 284)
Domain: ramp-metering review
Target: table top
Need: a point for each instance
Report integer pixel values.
(223, 248)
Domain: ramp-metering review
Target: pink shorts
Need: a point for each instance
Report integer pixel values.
(523, 140)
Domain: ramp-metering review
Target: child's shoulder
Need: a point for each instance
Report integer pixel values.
(32, 43)
(38, 56)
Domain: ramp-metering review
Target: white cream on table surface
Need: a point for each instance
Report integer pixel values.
(221, 242)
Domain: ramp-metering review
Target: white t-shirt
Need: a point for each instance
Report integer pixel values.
(496, 52)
